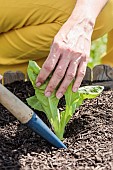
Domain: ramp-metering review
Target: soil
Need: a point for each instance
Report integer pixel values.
(88, 137)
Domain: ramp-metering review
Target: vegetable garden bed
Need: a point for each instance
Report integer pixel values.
(88, 135)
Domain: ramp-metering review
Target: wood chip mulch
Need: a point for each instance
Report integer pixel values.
(88, 137)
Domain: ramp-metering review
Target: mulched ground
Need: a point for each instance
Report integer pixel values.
(88, 136)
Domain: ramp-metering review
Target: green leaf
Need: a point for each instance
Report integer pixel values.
(33, 70)
(50, 106)
(90, 92)
(73, 100)
(33, 101)
(47, 104)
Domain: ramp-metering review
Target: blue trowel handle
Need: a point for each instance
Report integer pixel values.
(27, 116)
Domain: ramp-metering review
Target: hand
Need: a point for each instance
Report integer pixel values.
(68, 57)
(0, 77)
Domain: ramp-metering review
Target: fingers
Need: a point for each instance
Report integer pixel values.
(80, 75)
(70, 75)
(57, 75)
(66, 70)
(48, 66)
(76, 69)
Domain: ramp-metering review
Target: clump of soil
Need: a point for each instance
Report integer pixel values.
(88, 137)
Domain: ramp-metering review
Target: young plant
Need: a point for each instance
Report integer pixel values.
(48, 105)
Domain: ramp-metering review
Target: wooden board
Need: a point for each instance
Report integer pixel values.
(102, 73)
(10, 77)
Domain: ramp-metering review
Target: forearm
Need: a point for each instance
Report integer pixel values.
(84, 14)
(89, 9)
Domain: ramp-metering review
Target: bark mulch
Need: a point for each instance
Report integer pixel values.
(88, 136)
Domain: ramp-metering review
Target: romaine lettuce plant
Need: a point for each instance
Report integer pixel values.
(48, 105)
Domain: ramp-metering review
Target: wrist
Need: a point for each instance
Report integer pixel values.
(83, 16)
(83, 13)
(88, 8)
(85, 22)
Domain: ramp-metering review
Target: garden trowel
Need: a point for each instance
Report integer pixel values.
(27, 116)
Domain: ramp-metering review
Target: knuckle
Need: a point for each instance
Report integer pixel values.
(77, 85)
(68, 50)
(64, 88)
(48, 67)
(73, 50)
(81, 74)
(84, 57)
(56, 42)
(70, 76)
(51, 87)
(40, 79)
(59, 73)
(58, 46)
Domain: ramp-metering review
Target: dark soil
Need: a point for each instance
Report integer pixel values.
(88, 136)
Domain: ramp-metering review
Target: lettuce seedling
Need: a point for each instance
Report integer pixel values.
(48, 105)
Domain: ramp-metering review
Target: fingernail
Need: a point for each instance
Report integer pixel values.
(48, 94)
(59, 95)
(38, 84)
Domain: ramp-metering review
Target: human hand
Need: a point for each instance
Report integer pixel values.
(68, 57)
(0, 77)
